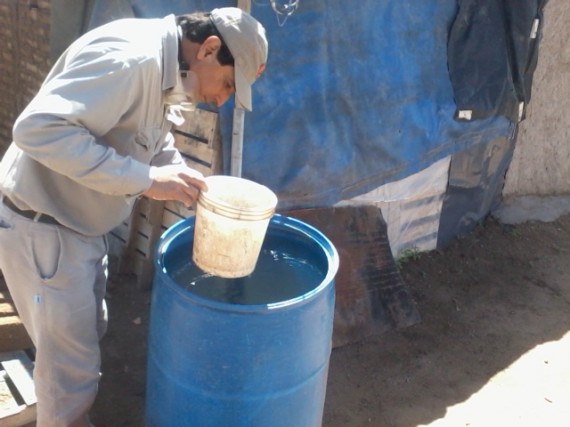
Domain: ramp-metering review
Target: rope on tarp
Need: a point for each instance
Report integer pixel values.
(282, 8)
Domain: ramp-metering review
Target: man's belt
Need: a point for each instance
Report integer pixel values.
(33, 215)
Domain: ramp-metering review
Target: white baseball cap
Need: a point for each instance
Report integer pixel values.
(245, 38)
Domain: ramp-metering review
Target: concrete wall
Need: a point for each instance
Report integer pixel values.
(541, 162)
(32, 35)
(24, 57)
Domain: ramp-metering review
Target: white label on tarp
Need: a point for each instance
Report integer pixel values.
(521, 110)
(534, 30)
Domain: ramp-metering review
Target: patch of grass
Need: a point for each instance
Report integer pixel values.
(511, 230)
(410, 254)
(515, 232)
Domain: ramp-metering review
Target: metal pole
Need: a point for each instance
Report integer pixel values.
(237, 141)
(238, 120)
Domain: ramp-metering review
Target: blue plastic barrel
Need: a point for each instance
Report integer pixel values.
(232, 364)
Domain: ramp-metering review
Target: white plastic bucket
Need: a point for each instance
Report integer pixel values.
(231, 222)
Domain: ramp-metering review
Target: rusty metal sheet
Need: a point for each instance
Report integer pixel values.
(371, 296)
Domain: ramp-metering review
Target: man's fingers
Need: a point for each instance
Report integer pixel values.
(193, 177)
(177, 182)
(189, 195)
(198, 183)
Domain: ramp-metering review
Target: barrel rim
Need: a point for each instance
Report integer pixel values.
(279, 220)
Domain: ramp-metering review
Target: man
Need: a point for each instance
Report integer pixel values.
(94, 139)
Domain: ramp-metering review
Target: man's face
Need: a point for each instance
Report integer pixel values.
(208, 81)
(215, 82)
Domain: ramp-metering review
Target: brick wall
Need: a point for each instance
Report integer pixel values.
(24, 57)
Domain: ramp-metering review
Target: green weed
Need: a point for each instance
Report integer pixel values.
(410, 254)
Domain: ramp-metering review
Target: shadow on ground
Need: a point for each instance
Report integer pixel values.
(485, 301)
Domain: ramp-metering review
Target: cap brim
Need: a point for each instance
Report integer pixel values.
(243, 90)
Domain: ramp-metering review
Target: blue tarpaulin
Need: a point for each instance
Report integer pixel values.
(355, 95)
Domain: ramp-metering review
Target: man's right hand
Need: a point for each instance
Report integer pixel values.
(175, 182)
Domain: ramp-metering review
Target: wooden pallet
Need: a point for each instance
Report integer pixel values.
(17, 394)
(133, 242)
(12, 331)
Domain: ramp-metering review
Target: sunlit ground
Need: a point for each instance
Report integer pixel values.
(532, 392)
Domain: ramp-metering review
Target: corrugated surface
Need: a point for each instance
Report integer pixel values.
(370, 295)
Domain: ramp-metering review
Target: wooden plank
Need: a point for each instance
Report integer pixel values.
(9, 355)
(154, 220)
(7, 319)
(191, 147)
(144, 229)
(179, 209)
(121, 233)
(8, 404)
(203, 169)
(5, 296)
(19, 369)
(133, 228)
(200, 123)
(138, 261)
(140, 244)
(17, 396)
(25, 418)
(170, 218)
(13, 333)
(6, 309)
(116, 250)
(145, 205)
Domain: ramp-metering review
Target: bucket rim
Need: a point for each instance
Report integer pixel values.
(278, 220)
(216, 204)
(228, 211)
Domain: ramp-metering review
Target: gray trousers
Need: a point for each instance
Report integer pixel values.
(57, 279)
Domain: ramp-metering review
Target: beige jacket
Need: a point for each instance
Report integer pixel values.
(83, 147)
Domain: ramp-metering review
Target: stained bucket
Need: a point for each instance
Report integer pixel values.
(231, 222)
(246, 352)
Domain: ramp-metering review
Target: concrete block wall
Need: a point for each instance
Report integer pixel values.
(541, 161)
(24, 57)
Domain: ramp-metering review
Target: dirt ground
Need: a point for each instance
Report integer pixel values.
(492, 348)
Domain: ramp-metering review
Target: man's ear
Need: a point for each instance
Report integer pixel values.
(209, 48)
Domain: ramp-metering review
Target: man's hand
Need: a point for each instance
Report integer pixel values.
(176, 182)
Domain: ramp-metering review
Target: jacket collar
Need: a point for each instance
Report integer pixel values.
(170, 53)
